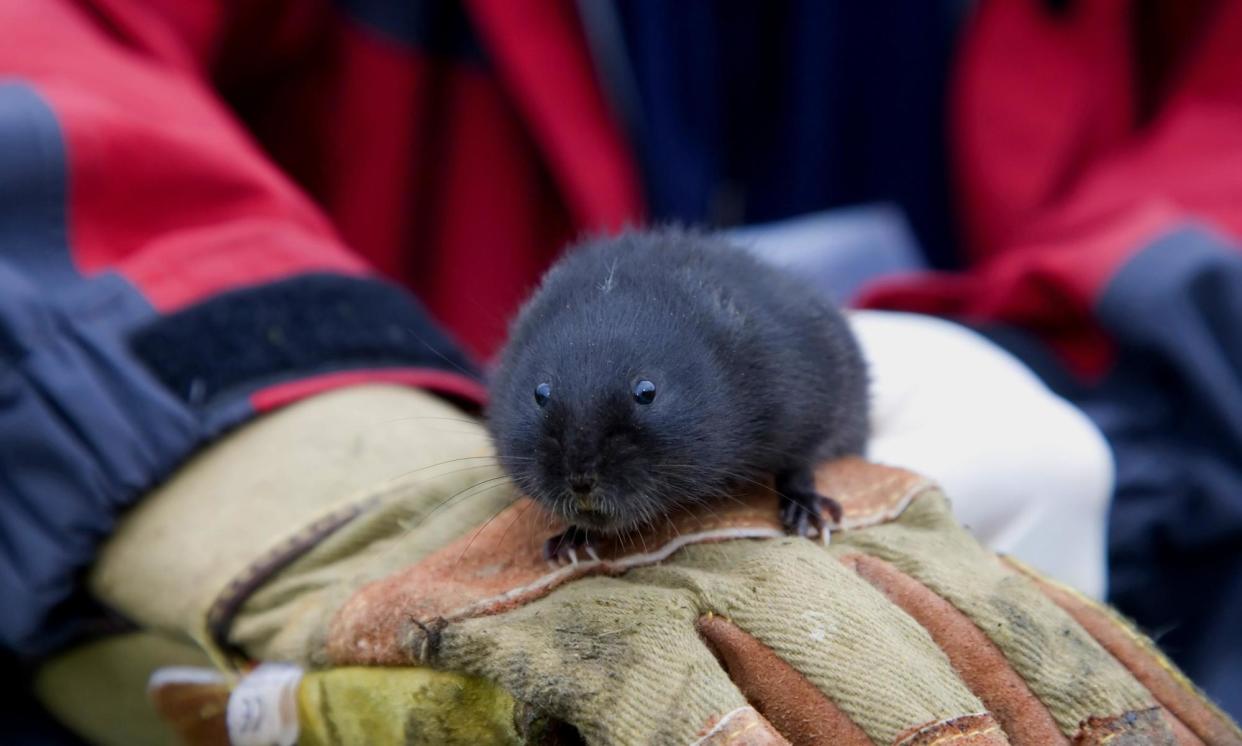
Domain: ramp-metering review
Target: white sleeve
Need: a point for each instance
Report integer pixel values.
(1026, 471)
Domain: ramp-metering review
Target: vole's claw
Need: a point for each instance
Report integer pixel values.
(801, 520)
(833, 507)
(802, 508)
(562, 549)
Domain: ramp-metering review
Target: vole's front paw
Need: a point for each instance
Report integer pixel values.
(803, 508)
(799, 519)
(564, 548)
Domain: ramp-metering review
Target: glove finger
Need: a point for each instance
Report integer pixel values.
(825, 626)
(792, 704)
(1194, 719)
(1085, 690)
(621, 662)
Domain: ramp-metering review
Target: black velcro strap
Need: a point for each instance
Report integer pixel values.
(303, 325)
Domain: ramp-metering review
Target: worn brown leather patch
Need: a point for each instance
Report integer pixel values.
(869, 493)
(968, 730)
(1142, 728)
(224, 609)
(194, 708)
(778, 691)
(1170, 688)
(980, 664)
(741, 727)
(395, 621)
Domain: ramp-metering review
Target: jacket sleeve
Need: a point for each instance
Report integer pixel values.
(160, 282)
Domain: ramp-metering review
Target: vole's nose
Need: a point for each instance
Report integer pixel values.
(582, 483)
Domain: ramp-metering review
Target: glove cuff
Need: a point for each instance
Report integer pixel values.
(186, 559)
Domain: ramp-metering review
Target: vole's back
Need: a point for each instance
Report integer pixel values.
(791, 375)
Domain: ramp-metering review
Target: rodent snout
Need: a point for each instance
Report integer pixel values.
(582, 484)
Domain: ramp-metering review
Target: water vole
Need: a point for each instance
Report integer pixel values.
(663, 368)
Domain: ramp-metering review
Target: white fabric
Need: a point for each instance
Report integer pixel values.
(263, 707)
(1027, 472)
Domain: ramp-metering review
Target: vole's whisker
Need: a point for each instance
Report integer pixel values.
(492, 481)
(414, 333)
(491, 463)
(462, 420)
(669, 521)
(621, 539)
(729, 474)
(516, 518)
(703, 503)
(479, 530)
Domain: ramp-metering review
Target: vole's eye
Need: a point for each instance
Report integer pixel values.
(543, 392)
(644, 392)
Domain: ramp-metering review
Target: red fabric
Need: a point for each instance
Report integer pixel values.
(1060, 183)
(165, 187)
(218, 144)
(441, 382)
(541, 54)
(1036, 99)
(462, 178)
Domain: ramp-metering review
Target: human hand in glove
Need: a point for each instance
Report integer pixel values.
(423, 613)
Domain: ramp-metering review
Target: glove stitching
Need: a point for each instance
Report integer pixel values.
(224, 609)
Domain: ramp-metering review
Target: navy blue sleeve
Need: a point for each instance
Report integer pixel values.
(102, 396)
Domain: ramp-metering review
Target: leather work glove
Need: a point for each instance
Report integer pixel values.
(417, 614)
(366, 537)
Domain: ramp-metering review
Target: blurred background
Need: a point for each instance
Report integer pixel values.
(1064, 176)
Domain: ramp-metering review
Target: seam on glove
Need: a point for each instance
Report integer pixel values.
(781, 694)
(869, 493)
(1139, 727)
(222, 611)
(1181, 734)
(743, 726)
(978, 661)
(1066, 668)
(489, 571)
(1185, 704)
(979, 729)
(499, 567)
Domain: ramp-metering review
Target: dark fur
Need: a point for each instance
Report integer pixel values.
(756, 375)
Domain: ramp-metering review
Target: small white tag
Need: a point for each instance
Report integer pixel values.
(173, 675)
(263, 709)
